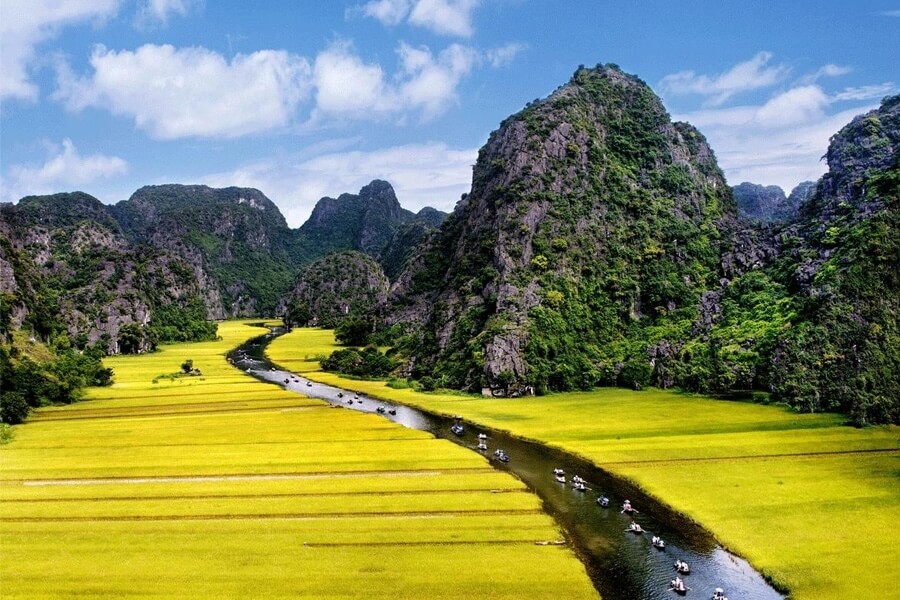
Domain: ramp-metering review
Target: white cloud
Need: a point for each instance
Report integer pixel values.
(432, 82)
(890, 13)
(866, 92)
(191, 92)
(158, 11)
(745, 76)
(444, 17)
(64, 170)
(347, 87)
(389, 12)
(798, 105)
(26, 23)
(429, 174)
(504, 55)
(779, 142)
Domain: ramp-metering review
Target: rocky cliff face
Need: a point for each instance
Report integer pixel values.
(237, 241)
(768, 204)
(372, 222)
(339, 285)
(66, 263)
(840, 258)
(590, 211)
(229, 251)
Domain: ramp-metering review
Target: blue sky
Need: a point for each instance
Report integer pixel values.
(305, 98)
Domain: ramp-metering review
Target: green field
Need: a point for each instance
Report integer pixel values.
(812, 504)
(219, 486)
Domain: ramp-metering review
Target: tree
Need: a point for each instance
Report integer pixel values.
(353, 331)
(297, 315)
(130, 338)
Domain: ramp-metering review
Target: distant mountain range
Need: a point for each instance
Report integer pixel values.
(599, 245)
(69, 262)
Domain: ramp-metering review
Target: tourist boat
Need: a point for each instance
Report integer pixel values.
(500, 455)
(635, 528)
(349, 401)
(457, 429)
(627, 508)
(682, 567)
(579, 486)
(309, 384)
(560, 478)
(287, 380)
(392, 411)
(603, 501)
(678, 586)
(577, 479)
(657, 542)
(380, 409)
(482, 446)
(482, 436)
(719, 594)
(340, 394)
(558, 472)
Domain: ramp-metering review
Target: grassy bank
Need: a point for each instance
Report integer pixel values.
(218, 486)
(812, 503)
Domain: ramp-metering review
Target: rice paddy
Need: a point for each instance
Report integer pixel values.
(221, 486)
(811, 503)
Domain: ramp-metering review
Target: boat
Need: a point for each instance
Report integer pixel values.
(482, 446)
(558, 472)
(677, 586)
(482, 436)
(340, 394)
(579, 486)
(500, 455)
(392, 411)
(457, 429)
(380, 409)
(560, 478)
(627, 508)
(719, 594)
(635, 528)
(657, 542)
(577, 479)
(682, 567)
(309, 384)
(349, 401)
(287, 380)
(603, 501)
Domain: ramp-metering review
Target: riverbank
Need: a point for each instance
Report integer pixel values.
(811, 503)
(216, 485)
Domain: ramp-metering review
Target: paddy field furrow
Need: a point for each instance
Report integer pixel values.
(222, 486)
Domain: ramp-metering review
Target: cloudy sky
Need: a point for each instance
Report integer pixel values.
(303, 99)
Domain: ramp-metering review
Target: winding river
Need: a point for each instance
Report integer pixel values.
(621, 564)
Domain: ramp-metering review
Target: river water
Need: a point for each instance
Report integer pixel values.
(621, 564)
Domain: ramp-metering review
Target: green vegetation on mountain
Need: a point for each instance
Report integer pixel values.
(69, 269)
(236, 238)
(601, 246)
(337, 286)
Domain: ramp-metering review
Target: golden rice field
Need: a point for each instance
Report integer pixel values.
(812, 504)
(220, 486)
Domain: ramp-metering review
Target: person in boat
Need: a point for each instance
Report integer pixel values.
(603, 501)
